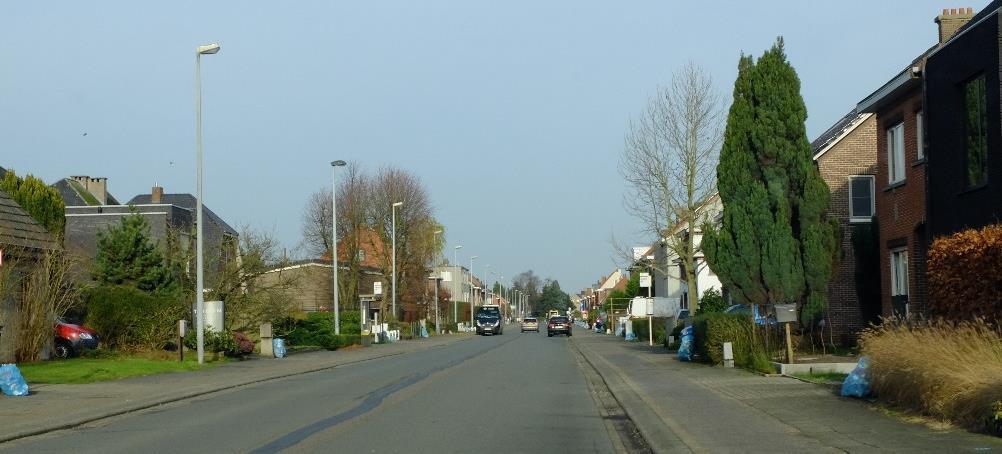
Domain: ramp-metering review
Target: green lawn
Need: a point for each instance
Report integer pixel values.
(826, 377)
(89, 370)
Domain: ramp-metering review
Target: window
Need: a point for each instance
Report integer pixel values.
(861, 198)
(896, 153)
(361, 255)
(976, 131)
(919, 137)
(899, 272)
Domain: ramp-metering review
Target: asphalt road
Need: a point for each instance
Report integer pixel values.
(511, 393)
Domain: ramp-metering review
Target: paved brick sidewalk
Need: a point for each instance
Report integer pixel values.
(684, 407)
(53, 407)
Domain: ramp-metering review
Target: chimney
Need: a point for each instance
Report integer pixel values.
(97, 186)
(951, 20)
(157, 194)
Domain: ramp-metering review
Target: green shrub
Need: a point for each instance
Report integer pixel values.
(712, 301)
(317, 330)
(128, 318)
(713, 329)
(640, 329)
(213, 342)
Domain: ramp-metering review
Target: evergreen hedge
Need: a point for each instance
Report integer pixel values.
(713, 329)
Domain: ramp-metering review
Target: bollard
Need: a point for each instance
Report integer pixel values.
(267, 350)
(728, 355)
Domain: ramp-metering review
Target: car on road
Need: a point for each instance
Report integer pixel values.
(71, 339)
(558, 325)
(530, 324)
(488, 319)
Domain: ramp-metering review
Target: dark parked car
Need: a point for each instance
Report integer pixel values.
(746, 310)
(71, 339)
(558, 325)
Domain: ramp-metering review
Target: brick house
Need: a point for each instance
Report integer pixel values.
(846, 157)
(313, 284)
(900, 190)
(964, 136)
(901, 176)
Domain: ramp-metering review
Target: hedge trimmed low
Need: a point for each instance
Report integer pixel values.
(713, 329)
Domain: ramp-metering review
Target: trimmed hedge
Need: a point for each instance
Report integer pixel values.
(965, 275)
(640, 329)
(317, 329)
(713, 329)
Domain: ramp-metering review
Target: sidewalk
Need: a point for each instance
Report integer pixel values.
(54, 407)
(685, 407)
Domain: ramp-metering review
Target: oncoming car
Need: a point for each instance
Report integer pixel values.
(489, 320)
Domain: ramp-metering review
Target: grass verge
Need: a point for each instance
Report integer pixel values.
(112, 367)
(823, 378)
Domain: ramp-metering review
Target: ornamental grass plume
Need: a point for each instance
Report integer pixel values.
(948, 370)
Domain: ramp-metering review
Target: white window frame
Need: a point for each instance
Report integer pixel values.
(919, 139)
(899, 255)
(873, 202)
(896, 153)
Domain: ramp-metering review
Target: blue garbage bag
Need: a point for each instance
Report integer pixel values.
(278, 346)
(11, 381)
(685, 344)
(857, 384)
(424, 331)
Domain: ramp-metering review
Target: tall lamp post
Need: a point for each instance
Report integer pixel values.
(393, 277)
(455, 283)
(207, 49)
(472, 258)
(434, 244)
(337, 310)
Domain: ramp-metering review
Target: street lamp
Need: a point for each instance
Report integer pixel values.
(472, 258)
(337, 311)
(207, 49)
(455, 283)
(393, 277)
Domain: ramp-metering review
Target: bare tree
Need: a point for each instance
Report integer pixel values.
(414, 229)
(48, 293)
(353, 199)
(669, 163)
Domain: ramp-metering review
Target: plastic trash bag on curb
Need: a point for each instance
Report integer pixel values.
(857, 384)
(11, 381)
(685, 344)
(278, 345)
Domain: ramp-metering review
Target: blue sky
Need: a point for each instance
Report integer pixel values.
(516, 108)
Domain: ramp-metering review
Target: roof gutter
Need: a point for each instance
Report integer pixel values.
(903, 81)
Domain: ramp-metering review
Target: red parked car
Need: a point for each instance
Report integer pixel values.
(71, 339)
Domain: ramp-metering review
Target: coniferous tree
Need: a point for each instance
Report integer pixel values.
(776, 244)
(40, 201)
(126, 256)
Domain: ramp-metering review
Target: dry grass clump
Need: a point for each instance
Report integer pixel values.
(948, 370)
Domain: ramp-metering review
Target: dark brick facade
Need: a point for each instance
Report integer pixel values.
(901, 205)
